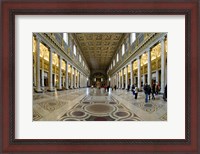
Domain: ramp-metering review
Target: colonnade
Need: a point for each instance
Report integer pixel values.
(121, 80)
(72, 79)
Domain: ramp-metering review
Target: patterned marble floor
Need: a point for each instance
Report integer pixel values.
(87, 104)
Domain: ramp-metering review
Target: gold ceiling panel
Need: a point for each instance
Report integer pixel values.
(98, 48)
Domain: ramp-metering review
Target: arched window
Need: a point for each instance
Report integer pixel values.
(132, 37)
(65, 38)
(123, 49)
(75, 49)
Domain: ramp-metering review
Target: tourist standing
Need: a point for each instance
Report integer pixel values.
(133, 89)
(115, 87)
(146, 92)
(108, 87)
(128, 87)
(153, 91)
(157, 88)
(165, 94)
(149, 91)
(136, 92)
(105, 88)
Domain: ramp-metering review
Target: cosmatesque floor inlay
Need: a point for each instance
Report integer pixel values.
(91, 104)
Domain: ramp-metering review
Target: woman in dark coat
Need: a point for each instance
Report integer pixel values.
(149, 91)
(165, 94)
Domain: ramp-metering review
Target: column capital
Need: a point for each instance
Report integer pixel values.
(147, 50)
(51, 49)
(60, 56)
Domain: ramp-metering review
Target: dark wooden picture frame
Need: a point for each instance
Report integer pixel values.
(153, 7)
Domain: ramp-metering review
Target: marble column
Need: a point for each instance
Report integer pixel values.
(34, 69)
(55, 75)
(133, 76)
(43, 71)
(162, 66)
(82, 81)
(165, 63)
(50, 72)
(77, 86)
(80, 78)
(139, 72)
(157, 76)
(126, 69)
(113, 81)
(119, 80)
(75, 78)
(66, 75)
(131, 72)
(60, 74)
(149, 67)
(38, 88)
(85, 81)
(122, 78)
(89, 84)
(72, 80)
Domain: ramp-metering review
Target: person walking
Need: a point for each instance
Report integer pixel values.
(153, 91)
(165, 94)
(128, 87)
(157, 88)
(149, 91)
(133, 89)
(115, 87)
(136, 92)
(105, 88)
(146, 92)
(108, 87)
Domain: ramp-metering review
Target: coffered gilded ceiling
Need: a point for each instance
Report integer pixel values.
(98, 48)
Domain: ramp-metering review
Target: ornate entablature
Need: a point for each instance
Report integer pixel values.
(149, 40)
(56, 45)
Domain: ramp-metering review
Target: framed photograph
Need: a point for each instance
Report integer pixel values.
(114, 76)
